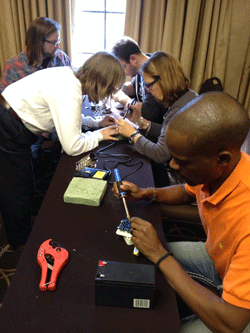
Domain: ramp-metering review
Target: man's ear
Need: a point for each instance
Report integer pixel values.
(224, 157)
(133, 59)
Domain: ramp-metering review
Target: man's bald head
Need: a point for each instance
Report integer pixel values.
(212, 122)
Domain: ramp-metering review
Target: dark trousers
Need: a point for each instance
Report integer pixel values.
(16, 177)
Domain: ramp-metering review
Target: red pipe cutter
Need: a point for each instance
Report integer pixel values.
(51, 256)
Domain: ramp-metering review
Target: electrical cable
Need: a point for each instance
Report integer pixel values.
(124, 160)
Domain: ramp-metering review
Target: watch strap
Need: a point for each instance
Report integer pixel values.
(132, 136)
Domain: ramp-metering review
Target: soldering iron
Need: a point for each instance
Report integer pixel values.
(121, 194)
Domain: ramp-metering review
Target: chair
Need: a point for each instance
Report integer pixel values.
(182, 223)
(212, 84)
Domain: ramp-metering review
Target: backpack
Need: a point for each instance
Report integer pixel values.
(212, 84)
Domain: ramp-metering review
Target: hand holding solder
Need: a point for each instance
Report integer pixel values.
(146, 240)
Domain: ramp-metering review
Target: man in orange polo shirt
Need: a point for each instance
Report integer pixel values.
(212, 278)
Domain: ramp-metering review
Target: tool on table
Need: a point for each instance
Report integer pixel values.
(122, 194)
(51, 256)
(128, 109)
(124, 227)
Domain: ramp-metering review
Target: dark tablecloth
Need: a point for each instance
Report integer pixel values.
(88, 233)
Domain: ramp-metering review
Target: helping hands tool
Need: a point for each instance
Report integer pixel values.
(54, 257)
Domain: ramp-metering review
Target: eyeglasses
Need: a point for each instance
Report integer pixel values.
(148, 85)
(53, 43)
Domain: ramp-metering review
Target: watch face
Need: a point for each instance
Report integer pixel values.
(131, 138)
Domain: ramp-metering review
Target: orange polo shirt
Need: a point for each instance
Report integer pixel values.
(225, 216)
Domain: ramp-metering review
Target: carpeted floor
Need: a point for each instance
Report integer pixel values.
(8, 261)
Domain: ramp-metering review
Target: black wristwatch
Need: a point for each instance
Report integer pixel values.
(132, 137)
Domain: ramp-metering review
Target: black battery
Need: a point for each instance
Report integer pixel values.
(125, 284)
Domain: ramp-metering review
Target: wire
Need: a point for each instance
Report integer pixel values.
(123, 159)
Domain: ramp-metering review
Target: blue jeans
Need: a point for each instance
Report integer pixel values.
(194, 259)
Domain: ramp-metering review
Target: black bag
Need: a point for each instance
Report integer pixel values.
(212, 84)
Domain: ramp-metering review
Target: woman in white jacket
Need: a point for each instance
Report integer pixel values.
(48, 100)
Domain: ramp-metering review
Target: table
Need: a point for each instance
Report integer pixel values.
(88, 233)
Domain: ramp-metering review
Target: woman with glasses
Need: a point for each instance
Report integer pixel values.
(41, 102)
(165, 79)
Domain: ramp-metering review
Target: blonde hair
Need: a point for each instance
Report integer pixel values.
(101, 76)
(172, 78)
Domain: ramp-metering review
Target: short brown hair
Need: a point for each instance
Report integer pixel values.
(38, 31)
(101, 75)
(172, 78)
(125, 47)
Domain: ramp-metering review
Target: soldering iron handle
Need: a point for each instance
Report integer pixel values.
(119, 182)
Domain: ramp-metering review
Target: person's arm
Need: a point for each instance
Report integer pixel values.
(217, 314)
(157, 152)
(128, 89)
(9, 76)
(171, 195)
(122, 98)
(65, 106)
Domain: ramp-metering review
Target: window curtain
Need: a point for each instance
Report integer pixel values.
(210, 38)
(16, 16)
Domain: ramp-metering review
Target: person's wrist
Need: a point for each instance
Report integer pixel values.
(147, 193)
(132, 137)
(154, 195)
(150, 194)
(157, 255)
(100, 124)
(162, 258)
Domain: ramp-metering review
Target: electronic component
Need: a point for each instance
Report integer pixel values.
(124, 228)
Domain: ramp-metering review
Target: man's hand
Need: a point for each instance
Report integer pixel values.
(121, 97)
(106, 121)
(134, 193)
(145, 238)
(109, 133)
